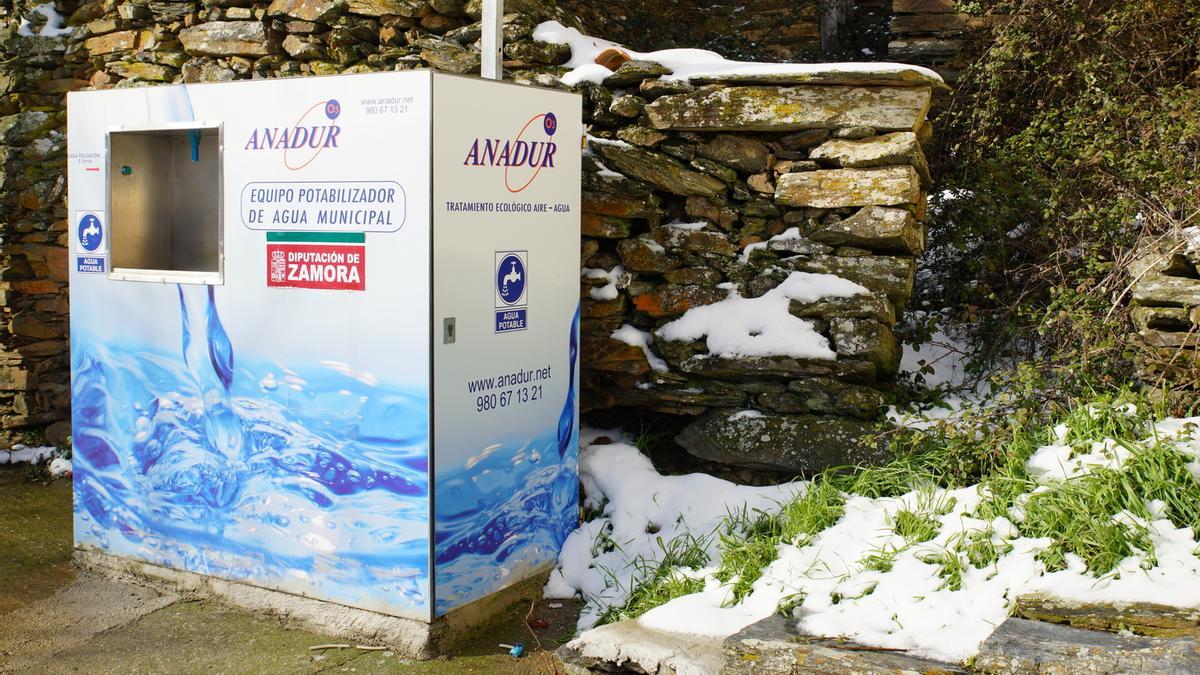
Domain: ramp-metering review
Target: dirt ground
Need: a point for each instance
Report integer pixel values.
(49, 615)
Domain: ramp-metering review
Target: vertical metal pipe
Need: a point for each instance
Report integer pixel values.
(492, 50)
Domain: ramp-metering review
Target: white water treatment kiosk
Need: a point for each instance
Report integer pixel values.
(324, 333)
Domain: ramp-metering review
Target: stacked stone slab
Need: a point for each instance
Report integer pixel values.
(1165, 298)
(687, 190)
(34, 367)
(757, 30)
(136, 43)
(938, 34)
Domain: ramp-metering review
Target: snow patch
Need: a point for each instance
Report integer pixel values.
(834, 578)
(636, 337)
(609, 290)
(762, 326)
(686, 64)
(23, 454)
(53, 26)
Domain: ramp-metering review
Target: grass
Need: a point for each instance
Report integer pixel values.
(982, 548)
(881, 561)
(1082, 516)
(750, 543)
(662, 578)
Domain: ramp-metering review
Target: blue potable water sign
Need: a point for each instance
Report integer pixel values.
(510, 278)
(512, 300)
(91, 232)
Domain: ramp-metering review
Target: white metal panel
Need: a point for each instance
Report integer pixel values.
(506, 269)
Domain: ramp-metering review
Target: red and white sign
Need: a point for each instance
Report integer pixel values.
(328, 266)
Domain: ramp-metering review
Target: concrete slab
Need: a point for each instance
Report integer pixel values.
(628, 646)
(408, 638)
(71, 617)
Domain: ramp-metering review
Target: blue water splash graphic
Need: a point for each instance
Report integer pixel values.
(310, 479)
(566, 421)
(510, 508)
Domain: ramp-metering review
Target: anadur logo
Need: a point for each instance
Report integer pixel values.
(302, 142)
(523, 157)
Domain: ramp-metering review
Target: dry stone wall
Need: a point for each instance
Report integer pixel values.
(34, 370)
(694, 192)
(946, 35)
(135, 43)
(1165, 295)
(760, 30)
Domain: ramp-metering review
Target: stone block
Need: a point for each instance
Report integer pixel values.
(866, 340)
(1020, 646)
(604, 227)
(306, 10)
(695, 393)
(833, 397)
(699, 276)
(16, 378)
(645, 255)
(924, 6)
(122, 41)
(716, 212)
(657, 87)
(1159, 258)
(801, 444)
(1185, 339)
(530, 51)
(791, 108)
(634, 72)
(658, 170)
(924, 49)
(747, 369)
(863, 306)
(876, 228)
(882, 75)
(146, 72)
(890, 275)
(1161, 318)
(304, 48)
(412, 9)
(896, 148)
(840, 188)
(701, 242)
(609, 354)
(603, 309)
(24, 325)
(619, 196)
(639, 135)
(1142, 618)
(944, 24)
(1159, 290)
(227, 38)
(744, 154)
(671, 301)
(448, 56)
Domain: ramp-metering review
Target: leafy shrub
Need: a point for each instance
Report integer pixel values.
(1074, 137)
